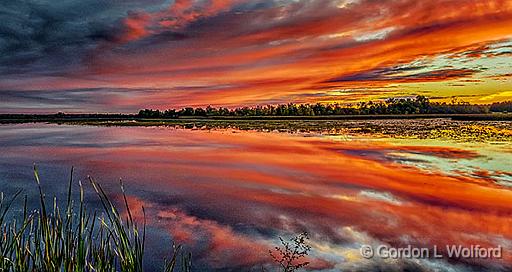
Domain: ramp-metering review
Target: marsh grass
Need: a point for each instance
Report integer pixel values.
(76, 238)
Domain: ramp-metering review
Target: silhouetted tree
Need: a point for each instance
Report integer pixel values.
(417, 105)
(501, 106)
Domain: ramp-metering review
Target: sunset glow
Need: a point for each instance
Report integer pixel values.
(120, 56)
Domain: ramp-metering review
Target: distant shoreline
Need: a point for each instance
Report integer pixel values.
(458, 127)
(121, 118)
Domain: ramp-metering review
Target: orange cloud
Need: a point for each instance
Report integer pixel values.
(303, 44)
(241, 53)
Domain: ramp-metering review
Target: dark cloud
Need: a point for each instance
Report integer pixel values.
(77, 100)
(126, 100)
(52, 37)
(400, 74)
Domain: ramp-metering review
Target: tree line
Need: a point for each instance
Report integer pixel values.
(417, 105)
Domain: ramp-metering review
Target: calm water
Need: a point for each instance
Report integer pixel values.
(227, 195)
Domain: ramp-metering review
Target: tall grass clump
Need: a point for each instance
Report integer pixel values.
(75, 238)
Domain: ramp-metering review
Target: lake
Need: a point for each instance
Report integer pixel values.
(227, 194)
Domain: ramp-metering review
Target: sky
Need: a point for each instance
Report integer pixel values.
(121, 56)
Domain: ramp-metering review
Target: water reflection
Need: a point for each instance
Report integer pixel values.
(227, 194)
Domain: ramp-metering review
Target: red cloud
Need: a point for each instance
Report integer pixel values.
(243, 53)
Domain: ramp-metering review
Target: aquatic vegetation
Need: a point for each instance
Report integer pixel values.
(444, 128)
(474, 132)
(74, 238)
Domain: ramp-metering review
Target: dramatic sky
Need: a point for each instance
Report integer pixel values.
(119, 56)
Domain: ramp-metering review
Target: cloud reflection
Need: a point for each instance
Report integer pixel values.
(228, 194)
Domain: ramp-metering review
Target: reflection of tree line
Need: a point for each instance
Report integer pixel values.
(417, 105)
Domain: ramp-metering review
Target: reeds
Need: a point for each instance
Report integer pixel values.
(75, 238)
